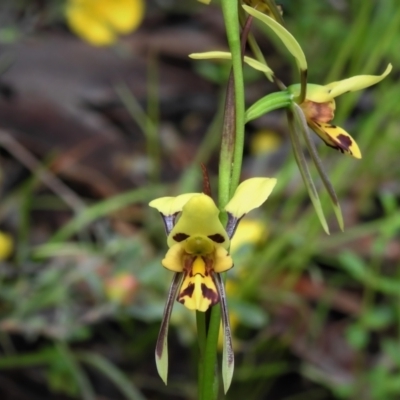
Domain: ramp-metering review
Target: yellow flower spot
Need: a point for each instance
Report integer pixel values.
(99, 22)
(264, 142)
(249, 231)
(6, 245)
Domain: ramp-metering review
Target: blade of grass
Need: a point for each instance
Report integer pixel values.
(125, 386)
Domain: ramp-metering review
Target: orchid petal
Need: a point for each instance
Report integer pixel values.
(355, 83)
(302, 123)
(323, 94)
(173, 258)
(228, 356)
(287, 38)
(162, 340)
(200, 217)
(336, 137)
(316, 93)
(224, 55)
(223, 261)
(250, 194)
(305, 173)
(171, 205)
(198, 291)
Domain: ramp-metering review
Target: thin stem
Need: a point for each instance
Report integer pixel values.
(231, 18)
(229, 175)
(202, 338)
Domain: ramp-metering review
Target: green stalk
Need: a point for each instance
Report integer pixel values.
(202, 338)
(229, 175)
(231, 19)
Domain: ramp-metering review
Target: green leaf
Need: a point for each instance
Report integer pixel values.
(113, 373)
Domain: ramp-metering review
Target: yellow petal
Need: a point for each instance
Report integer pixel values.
(174, 258)
(322, 94)
(315, 93)
(336, 137)
(259, 67)
(198, 244)
(222, 260)
(198, 291)
(89, 28)
(224, 55)
(287, 38)
(200, 217)
(171, 205)
(124, 15)
(99, 21)
(355, 83)
(248, 232)
(250, 194)
(6, 245)
(205, 1)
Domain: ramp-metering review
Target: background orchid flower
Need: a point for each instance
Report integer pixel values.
(99, 22)
(198, 253)
(319, 107)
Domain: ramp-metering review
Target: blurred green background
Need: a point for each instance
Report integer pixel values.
(90, 134)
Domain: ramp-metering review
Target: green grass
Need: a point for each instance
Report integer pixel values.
(56, 290)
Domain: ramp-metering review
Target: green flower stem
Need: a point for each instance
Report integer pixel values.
(229, 175)
(227, 145)
(231, 18)
(209, 376)
(202, 337)
(266, 104)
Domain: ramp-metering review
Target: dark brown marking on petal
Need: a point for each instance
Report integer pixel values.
(180, 237)
(188, 261)
(186, 292)
(217, 238)
(209, 261)
(345, 141)
(209, 294)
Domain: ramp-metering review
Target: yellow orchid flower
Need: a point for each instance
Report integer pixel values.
(198, 253)
(319, 107)
(99, 22)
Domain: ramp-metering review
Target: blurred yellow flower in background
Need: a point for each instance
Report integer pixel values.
(6, 245)
(249, 232)
(264, 141)
(99, 22)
